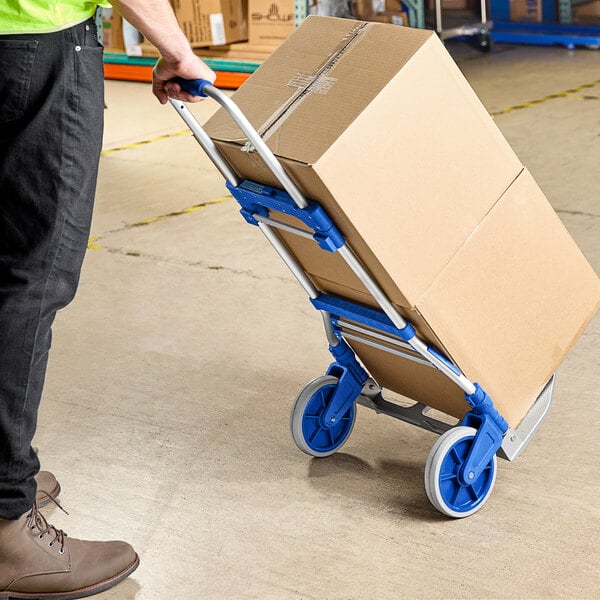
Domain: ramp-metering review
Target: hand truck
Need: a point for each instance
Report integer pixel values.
(460, 470)
(480, 30)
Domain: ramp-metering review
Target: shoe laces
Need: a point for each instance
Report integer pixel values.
(35, 520)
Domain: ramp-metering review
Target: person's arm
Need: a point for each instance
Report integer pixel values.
(156, 22)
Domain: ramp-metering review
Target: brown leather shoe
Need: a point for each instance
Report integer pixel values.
(48, 488)
(39, 561)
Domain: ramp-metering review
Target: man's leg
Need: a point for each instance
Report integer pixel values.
(52, 104)
(51, 111)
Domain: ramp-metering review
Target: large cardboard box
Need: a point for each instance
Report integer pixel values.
(270, 22)
(430, 197)
(212, 22)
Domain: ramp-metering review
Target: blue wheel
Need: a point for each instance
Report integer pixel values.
(311, 435)
(442, 485)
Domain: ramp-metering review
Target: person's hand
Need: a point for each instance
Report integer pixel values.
(191, 67)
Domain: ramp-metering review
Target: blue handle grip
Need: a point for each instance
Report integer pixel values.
(193, 86)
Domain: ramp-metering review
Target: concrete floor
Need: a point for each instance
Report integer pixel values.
(172, 376)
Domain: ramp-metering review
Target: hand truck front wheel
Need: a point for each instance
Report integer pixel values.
(444, 463)
(311, 434)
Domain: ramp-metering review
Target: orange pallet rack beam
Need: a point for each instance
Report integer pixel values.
(230, 74)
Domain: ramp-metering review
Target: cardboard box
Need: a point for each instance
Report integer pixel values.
(270, 22)
(381, 11)
(430, 197)
(212, 22)
(588, 12)
(366, 10)
(112, 30)
(394, 18)
(238, 51)
(528, 11)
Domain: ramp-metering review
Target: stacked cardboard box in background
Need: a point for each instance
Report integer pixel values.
(526, 11)
(233, 29)
(270, 22)
(481, 264)
(212, 22)
(587, 13)
(252, 29)
(382, 11)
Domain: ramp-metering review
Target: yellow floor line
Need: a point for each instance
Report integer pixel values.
(158, 138)
(93, 241)
(566, 94)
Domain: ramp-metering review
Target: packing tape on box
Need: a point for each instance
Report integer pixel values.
(306, 84)
(318, 85)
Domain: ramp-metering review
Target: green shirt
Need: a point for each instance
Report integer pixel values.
(39, 16)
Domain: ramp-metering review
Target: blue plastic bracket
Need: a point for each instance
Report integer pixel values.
(491, 428)
(362, 314)
(351, 379)
(258, 199)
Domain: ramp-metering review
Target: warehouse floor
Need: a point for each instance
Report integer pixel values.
(172, 376)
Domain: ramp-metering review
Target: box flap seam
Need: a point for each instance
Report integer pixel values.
(467, 239)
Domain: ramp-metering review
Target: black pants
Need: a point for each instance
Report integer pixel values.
(51, 120)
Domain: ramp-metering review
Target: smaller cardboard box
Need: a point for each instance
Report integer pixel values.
(270, 22)
(212, 22)
(527, 11)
